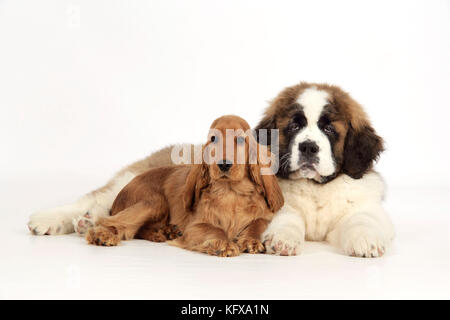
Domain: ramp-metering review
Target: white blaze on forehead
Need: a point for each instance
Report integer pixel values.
(313, 101)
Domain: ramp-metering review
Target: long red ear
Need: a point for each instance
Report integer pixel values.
(267, 183)
(197, 179)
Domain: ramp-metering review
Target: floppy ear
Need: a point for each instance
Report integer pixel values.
(362, 148)
(197, 179)
(267, 184)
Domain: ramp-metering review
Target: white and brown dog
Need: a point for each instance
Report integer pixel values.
(327, 147)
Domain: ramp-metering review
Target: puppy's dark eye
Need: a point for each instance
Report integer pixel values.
(328, 129)
(325, 124)
(294, 126)
(240, 140)
(213, 139)
(298, 122)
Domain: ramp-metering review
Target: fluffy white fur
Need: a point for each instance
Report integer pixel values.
(345, 212)
(82, 214)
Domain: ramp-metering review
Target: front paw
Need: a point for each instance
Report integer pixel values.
(221, 248)
(172, 231)
(49, 223)
(250, 245)
(83, 223)
(363, 243)
(102, 236)
(283, 242)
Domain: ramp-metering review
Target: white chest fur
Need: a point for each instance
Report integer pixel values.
(322, 206)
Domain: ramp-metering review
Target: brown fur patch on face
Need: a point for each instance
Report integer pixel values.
(338, 150)
(355, 154)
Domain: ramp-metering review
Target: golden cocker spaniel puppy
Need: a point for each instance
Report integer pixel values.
(220, 206)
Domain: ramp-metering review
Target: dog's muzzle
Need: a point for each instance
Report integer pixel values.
(224, 165)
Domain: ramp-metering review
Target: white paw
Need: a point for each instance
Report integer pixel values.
(283, 241)
(49, 223)
(364, 243)
(83, 223)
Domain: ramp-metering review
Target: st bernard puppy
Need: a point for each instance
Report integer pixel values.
(327, 147)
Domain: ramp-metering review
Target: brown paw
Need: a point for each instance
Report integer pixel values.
(102, 236)
(172, 231)
(250, 245)
(156, 236)
(221, 248)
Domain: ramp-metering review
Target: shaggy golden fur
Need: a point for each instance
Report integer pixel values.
(215, 212)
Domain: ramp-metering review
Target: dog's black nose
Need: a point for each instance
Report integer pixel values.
(308, 148)
(225, 165)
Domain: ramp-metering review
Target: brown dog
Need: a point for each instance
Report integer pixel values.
(220, 206)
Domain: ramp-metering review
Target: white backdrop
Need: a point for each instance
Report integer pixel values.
(89, 86)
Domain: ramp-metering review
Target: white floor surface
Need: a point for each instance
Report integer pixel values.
(65, 267)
